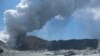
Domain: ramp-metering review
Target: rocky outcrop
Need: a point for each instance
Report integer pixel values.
(73, 44)
(31, 43)
(35, 43)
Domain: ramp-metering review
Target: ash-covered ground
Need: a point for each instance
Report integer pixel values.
(86, 52)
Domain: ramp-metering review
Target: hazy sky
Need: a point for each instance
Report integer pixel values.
(54, 29)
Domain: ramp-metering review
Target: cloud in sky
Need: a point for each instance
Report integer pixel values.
(89, 18)
(4, 36)
(30, 15)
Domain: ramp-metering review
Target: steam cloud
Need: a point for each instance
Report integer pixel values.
(4, 36)
(89, 18)
(30, 15)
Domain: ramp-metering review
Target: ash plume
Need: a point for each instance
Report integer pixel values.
(30, 15)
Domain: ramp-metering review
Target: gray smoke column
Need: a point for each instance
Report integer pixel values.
(30, 15)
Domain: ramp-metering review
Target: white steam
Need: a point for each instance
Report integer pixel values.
(30, 15)
(89, 18)
(4, 36)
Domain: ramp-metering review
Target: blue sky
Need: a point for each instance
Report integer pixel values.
(57, 29)
(53, 30)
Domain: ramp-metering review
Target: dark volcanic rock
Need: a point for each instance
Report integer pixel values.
(70, 53)
(1, 45)
(1, 50)
(31, 43)
(73, 44)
